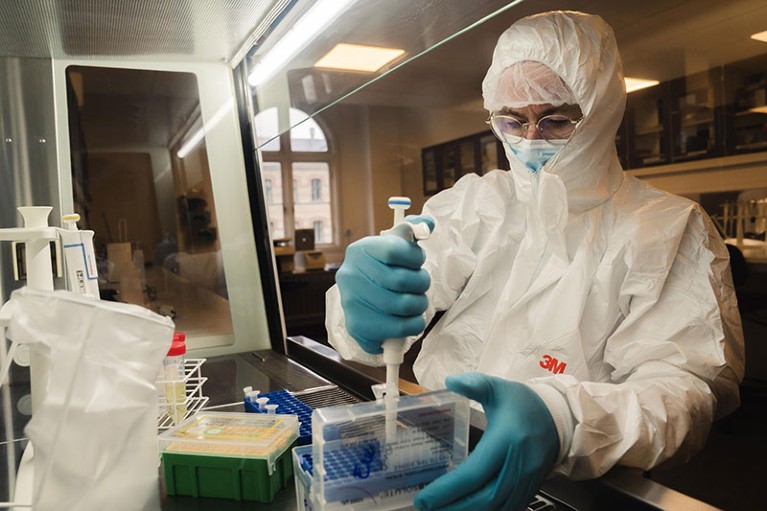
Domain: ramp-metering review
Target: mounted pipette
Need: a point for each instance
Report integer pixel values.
(393, 349)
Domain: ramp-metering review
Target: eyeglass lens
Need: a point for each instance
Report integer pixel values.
(551, 127)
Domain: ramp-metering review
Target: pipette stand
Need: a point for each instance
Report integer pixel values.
(36, 235)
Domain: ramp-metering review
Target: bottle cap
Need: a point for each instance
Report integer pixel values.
(178, 346)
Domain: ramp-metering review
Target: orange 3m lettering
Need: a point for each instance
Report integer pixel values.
(552, 364)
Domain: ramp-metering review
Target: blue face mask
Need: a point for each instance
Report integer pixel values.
(534, 153)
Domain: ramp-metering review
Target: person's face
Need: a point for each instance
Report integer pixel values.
(531, 114)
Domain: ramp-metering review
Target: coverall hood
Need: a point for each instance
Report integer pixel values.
(582, 50)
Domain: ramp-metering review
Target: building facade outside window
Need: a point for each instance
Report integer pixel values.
(297, 172)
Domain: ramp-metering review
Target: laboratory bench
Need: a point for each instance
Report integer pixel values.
(334, 382)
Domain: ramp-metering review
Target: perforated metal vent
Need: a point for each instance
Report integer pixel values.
(197, 30)
(330, 396)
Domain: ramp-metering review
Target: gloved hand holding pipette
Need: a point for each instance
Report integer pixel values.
(383, 288)
(383, 294)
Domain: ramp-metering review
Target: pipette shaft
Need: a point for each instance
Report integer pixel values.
(393, 348)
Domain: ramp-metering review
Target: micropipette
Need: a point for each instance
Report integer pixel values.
(393, 349)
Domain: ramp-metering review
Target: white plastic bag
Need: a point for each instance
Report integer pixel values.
(95, 431)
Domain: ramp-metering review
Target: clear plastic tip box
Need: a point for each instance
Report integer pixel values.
(240, 456)
(355, 465)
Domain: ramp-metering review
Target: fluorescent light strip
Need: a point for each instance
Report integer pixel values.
(195, 139)
(311, 23)
(358, 57)
(760, 36)
(191, 143)
(635, 84)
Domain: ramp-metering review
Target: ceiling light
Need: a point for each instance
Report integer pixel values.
(357, 57)
(760, 36)
(635, 84)
(304, 30)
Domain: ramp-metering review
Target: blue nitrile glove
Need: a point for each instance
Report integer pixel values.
(383, 288)
(516, 453)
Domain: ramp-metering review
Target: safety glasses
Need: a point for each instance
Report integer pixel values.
(552, 128)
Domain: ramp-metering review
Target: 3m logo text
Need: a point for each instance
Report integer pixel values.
(552, 364)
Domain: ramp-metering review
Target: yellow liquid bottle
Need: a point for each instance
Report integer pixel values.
(175, 379)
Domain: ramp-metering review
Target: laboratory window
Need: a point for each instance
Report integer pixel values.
(303, 158)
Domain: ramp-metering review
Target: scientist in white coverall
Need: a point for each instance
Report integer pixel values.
(591, 315)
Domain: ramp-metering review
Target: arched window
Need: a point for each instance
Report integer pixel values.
(298, 171)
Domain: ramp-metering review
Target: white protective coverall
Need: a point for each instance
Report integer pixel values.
(613, 300)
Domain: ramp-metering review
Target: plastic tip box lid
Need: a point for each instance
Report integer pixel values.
(242, 435)
(356, 459)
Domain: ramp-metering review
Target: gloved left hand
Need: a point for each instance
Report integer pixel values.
(516, 453)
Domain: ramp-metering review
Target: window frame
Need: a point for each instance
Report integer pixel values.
(286, 157)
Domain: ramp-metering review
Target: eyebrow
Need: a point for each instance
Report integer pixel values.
(516, 113)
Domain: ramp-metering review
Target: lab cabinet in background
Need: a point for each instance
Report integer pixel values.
(448, 168)
(745, 91)
(303, 301)
(444, 164)
(646, 119)
(718, 112)
(672, 122)
(696, 109)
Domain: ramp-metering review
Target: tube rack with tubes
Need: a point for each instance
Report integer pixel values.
(174, 410)
(286, 403)
(354, 463)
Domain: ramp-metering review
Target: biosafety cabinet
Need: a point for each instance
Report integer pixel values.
(226, 153)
